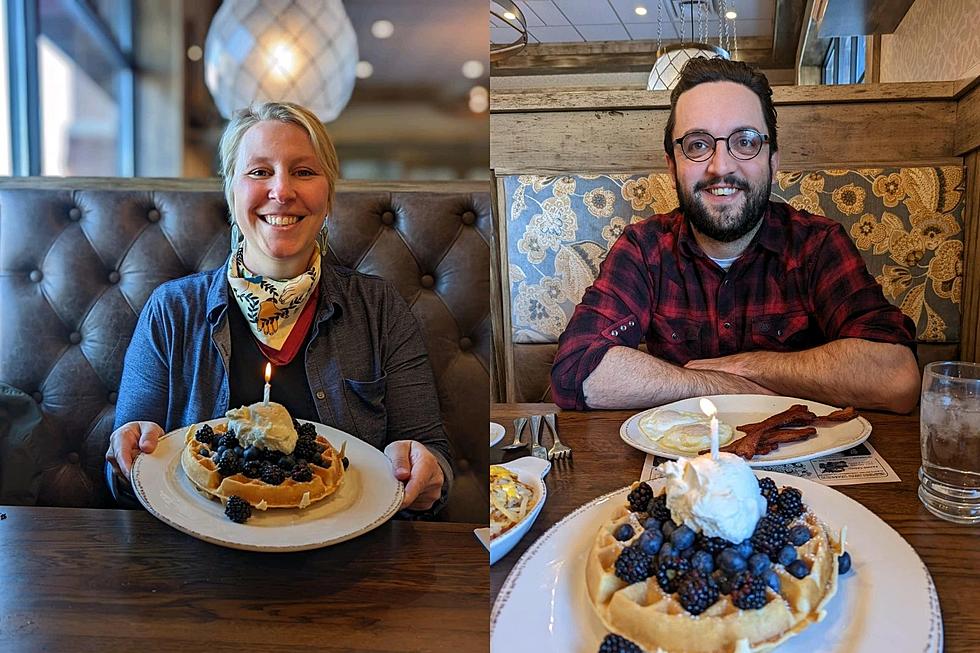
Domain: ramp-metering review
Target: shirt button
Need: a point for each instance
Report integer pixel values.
(615, 332)
(674, 335)
(725, 282)
(779, 332)
(320, 394)
(631, 322)
(728, 325)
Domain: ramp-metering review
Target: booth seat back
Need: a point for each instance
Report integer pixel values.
(906, 222)
(80, 257)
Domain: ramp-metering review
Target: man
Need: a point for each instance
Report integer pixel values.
(733, 293)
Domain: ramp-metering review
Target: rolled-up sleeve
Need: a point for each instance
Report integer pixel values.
(614, 312)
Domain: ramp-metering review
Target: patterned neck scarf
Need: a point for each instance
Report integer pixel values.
(271, 307)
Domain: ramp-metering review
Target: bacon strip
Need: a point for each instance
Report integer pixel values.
(795, 415)
(836, 417)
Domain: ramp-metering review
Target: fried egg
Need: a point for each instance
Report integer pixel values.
(683, 431)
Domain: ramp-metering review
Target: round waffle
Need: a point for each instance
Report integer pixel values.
(656, 621)
(202, 471)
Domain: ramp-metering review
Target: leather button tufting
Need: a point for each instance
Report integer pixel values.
(462, 465)
(465, 343)
(36, 275)
(388, 218)
(75, 337)
(113, 277)
(73, 458)
(113, 396)
(37, 397)
(153, 215)
(469, 217)
(74, 214)
(428, 281)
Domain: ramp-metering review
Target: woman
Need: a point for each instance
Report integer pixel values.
(346, 349)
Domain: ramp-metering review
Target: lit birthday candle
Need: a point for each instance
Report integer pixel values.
(268, 387)
(709, 409)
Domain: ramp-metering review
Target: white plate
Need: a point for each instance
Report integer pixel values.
(736, 410)
(529, 470)
(886, 603)
(497, 432)
(367, 498)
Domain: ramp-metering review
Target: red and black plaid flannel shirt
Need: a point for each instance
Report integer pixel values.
(800, 283)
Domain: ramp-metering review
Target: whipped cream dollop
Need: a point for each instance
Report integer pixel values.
(267, 426)
(719, 498)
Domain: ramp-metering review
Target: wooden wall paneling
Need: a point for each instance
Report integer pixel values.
(505, 341)
(970, 293)
(968, 121)
(810, 136)
(497, 308)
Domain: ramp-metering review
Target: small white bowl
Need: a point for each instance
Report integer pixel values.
(497, 432)
(529, 470)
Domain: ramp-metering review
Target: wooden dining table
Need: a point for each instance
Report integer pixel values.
(601, 462)
(76, 580)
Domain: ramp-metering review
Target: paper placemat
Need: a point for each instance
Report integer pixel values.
(854, 466)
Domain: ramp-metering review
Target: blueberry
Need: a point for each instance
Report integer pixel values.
(651, 541)
(652, 524)
(744, 548)
(758, 563)
(252, 453)
(844, 563)
(786, 555)
(667, 528)
(772, 580)
(682, 538)
(221, 450)
(623, 533)
(287, 463)
(666, 551)
(702, 560)
(731, 562)
(204, 452)
(799, 535)
(239, 451)
(798, 568)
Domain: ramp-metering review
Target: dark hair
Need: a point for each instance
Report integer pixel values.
(701, 71)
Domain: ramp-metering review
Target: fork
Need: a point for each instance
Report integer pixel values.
(536, 449)
(558, 450)
(519, 425)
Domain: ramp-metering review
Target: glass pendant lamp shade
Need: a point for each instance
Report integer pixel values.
(302, 51)
(667, 68)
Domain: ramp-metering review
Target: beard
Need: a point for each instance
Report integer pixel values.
(732, 223)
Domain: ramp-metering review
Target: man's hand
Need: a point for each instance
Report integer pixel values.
(735, 364)
(129, 440)
(416, 466)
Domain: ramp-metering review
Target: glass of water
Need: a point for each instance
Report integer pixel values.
(949, 431)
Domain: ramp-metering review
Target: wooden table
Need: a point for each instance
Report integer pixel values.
(116, 580)
(602, 462)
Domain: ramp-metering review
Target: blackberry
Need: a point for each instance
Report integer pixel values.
(286, 463)
(697, 592)
(639, 497)
(228, 463)
(252, 468)
(272, 474)
(633, 565)
(343, 460)
(295, 425)
(238, 510)
(658, 508)
(723, 580)
(613, 643)
(305, 449)
(749, 592)
(302, 473)
(670, 572)
(712, 545)
(770, 536)
(307, 430)
(767, 487)
(228, 441)
(204, 435)
(790, 503)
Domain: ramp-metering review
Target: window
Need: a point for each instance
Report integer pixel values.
(845, 60)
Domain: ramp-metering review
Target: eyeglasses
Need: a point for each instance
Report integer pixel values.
(743, 144)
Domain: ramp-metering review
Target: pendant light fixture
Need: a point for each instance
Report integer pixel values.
(671, 59)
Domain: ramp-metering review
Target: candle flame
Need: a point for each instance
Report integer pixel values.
(268, 372)
(708, 408)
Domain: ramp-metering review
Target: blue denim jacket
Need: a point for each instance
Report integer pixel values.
(366, 363)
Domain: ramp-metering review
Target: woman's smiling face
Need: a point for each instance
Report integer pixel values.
(280, 198)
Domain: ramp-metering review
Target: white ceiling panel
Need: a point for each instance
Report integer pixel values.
(547, 11)
(531, 17)
(604, 32)
(588, 12)
(505, 35)
(556, 34)
(647, 31)
(626, 10)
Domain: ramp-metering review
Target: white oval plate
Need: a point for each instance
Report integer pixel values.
(736, 410)
(886, 603)
(367, 498)
(529, 470)
(497, 432)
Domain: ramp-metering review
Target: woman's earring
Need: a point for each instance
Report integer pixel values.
(321, 238)
(236, 236)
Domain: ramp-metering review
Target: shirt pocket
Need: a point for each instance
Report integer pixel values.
(675, 339)
(781, 331)
(366, 400)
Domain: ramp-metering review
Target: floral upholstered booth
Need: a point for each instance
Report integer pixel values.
(906, 222)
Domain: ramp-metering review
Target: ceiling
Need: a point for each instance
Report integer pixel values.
(563, 21)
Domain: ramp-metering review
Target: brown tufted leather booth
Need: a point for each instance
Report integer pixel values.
(80, 257)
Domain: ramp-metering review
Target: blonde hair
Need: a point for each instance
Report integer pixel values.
(287, 112)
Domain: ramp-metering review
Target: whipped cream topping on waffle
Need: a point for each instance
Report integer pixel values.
(267, 426)
(719, 498)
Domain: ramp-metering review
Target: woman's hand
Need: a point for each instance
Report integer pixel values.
(417, 465)
(127, 441)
